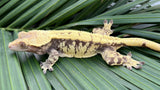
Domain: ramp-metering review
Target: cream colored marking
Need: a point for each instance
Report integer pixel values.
(81, 49)
(91, 50)
(115, 61)
(63, 47)
(71, 49)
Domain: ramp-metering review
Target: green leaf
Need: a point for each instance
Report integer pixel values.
(2, 2)
(64, 13)
(123, 8)
(28, 14)
(7, 6)
(47, 8)
(9, 17)
(118, 19)
(21, 70)
(10, 70)
(142, 33)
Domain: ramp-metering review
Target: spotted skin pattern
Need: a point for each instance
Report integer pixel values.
(80, 44)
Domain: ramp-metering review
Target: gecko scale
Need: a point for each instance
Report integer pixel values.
(80, 44)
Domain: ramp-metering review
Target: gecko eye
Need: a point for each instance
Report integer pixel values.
(23, 45)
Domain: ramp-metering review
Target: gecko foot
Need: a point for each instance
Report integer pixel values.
(132, 63)
(46, 65)
(106, 30)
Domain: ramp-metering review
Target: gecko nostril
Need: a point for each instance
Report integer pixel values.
(9, 46)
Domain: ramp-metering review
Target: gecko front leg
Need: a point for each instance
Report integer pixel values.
(112, 57)
(52, 59)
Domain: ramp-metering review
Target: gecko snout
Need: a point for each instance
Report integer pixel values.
(9, 46)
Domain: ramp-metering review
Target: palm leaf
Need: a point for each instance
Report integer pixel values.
(21, 70)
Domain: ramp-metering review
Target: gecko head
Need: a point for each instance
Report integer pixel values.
(18, 45)
(27, 40)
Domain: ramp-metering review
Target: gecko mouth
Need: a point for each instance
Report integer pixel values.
(15, 47)
(11, 47)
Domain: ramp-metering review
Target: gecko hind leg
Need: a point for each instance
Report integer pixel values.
(106, 30)
(114, 58)
(52, 59)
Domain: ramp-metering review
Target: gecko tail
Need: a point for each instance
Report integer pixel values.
(142, 43)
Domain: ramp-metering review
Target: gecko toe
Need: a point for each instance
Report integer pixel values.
(51, 69)
(142, 63)
(44, 71)
(41, 64)
(130, 68)
(138, 67)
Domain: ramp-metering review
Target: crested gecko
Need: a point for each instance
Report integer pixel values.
(80, 44)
